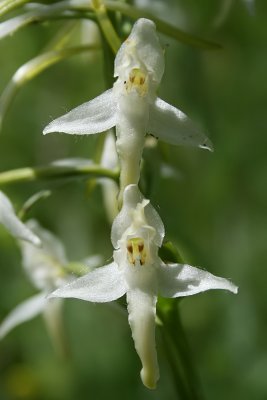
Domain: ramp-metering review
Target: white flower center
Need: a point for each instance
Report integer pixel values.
(136, 251)
(137, 81)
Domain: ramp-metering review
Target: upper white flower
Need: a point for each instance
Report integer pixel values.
(13, 224)
(138, 272)
(132, 105)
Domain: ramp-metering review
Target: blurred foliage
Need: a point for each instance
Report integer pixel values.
(215, 210)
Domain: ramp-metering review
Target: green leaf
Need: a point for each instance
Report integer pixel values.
(106, 26)
(33, 68)
(170, 254)
(162, 26)
(9, 5)
(43, 194)
(57, 172)
(40, 13)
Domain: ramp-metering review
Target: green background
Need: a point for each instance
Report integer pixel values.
(214, 208)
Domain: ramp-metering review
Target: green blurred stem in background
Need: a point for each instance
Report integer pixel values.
(34, 67)
(106, 25)
(162, 26)
(53, 172)
(67, 9)
(9, 5)
(174, 339)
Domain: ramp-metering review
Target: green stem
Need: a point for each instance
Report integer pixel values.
(43, 194)
(33, 68)
(186, 356)
(62, 37)
(176, 344)
(56, 172)
(180, 356)
(162, 26)
(175, 367)
(76, 11)
(106, 25)
(9, 5)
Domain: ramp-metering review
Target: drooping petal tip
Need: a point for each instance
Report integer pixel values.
(142, 313)
(171, 125)
(13, 224)
(207, 145)
(22, 313)
(234, 288)
(148, 379)
(179, 280)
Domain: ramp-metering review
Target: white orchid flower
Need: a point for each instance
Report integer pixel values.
(132, 105)
(13, 224)
(137, 271)
(44, 267)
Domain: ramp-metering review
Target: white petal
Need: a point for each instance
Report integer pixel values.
(97, 115)
(13, 24)
(39, 12)
(171, 125)
(101, 285)
(142, 48)
(44, 265)
(13, 224)
(54, 323)
(177, 280)
(132, 196)
(142, 313)
(22, 313)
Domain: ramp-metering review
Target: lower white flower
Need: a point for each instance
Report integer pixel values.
(138, 272)
(13, 224)
(44, 267)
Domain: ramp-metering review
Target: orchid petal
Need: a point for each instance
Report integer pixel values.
(142, 314)
(132, 196)
(13, 224)
(142, 47)
(13, 24)
(22, 313)
(97, 115)
(39, 13)
(177, 280)
(54, 323)
(101, 285)
(44, 265)
(171, 125)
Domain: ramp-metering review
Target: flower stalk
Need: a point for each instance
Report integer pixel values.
(34, 67)
(9, 5)
(53, 172)
(106, 26)
(178, 350)
(162, 26)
